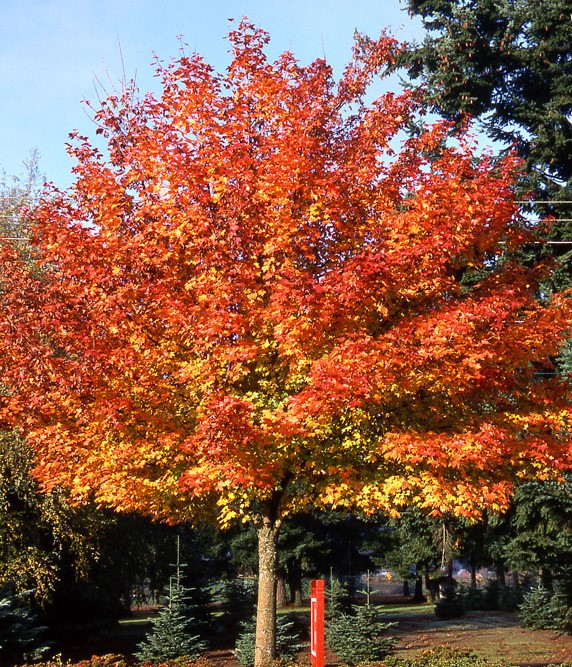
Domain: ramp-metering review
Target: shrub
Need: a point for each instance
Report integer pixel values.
(444, 656)
(107, 660)
(359, 637)
(471, 597)
(338, 598)
(446, 609)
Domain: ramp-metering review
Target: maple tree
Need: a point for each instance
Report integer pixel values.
(265, 297)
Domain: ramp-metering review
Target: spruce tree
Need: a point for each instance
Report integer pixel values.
(360, 637)
(508, 64)
(288, 642)
(22, 637)
(172, 635)
(176, 629)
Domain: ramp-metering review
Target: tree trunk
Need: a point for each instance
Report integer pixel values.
(546, 579)
(265, 651)
(295, 581)
(406, 592)
(501, 575)
(431, 586)
(418, 594)
(281, 596)
(473, 573)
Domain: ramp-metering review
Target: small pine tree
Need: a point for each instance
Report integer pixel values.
(172, 634)
(360, 637)
(288, 643)
(338, 598)
(542, 609)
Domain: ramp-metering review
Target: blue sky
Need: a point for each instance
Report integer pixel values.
(52, 52)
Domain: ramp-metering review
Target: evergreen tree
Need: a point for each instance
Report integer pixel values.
(288, 643)
(359, 637)
(542, 609)
(22, 637)
(339, 597)
(507, 63)
(181, 624)
(540, 525)
(237, 599)
(172, 633)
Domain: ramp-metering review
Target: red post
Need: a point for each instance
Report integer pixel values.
(317, 605)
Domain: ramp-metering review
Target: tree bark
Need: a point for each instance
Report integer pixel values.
(473, 573)
(431, 586)
(295, 581)
(281, 596)
(501, 575)
(546, 579)
(406, 591)
(265, 651)
(418, 592)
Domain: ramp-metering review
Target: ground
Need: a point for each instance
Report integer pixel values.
(496, 635)
(490, 634)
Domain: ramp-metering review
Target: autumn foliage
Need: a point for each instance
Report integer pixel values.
(253, 291)
(265, 295)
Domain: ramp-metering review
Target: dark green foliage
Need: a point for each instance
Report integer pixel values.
(244, 650)
(507, 63)
(42, 538)
(535, 611)
(542, 609)
(22, 637)
(311, 544)
(360, 637)
(449, 608)
(493, 597)
(417, 546)
(172, 635)
(188, 612)
(69, 556)
(564, 361)
(288, 642)
(472, 598)
(236, 598)
(338, 598)
(541, 527)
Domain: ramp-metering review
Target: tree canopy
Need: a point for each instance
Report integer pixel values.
(264, 296)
